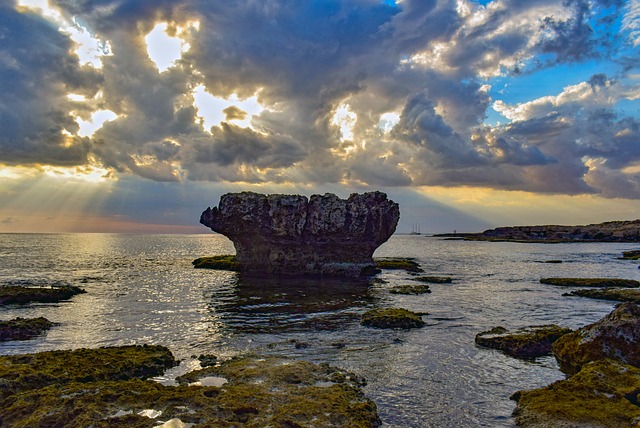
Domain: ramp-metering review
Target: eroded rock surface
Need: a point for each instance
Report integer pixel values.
(293, 235)
(529, 342)
(616, 336)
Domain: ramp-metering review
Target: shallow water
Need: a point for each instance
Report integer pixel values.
(143, 289)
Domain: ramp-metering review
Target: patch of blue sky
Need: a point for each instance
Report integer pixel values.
(548, 81)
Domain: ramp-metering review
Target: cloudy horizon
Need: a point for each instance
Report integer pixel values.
(134, 116)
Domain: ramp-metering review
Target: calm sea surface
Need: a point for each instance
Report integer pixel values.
(143, 289)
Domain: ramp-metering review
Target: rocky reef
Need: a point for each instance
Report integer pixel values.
(615, 294)
(591, 282)
(611, 231)
(110, 387)
(293, 235)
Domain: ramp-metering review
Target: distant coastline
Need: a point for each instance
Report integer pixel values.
(611, 231)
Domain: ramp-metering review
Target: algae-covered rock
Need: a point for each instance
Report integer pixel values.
(591, 282)
(23, 328)
(630, 255)
(529, 342)
(280, 391)
(32, 371)
(398, 263)
(242, 392)
(392, 318)
(224, 262)
(434, 279)
(14, 294)
(410, 289)
(603, 394)
(616, 336)
(615, 294)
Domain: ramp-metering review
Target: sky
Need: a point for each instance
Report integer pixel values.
(136, 115)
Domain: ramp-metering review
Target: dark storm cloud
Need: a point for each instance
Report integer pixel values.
(36, 70)
(425, 60)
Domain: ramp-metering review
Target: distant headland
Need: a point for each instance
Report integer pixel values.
(611, 231)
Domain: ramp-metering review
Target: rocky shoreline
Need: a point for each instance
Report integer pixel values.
(611, 231)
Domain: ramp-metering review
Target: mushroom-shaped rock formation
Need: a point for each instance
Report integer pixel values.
(293, 235)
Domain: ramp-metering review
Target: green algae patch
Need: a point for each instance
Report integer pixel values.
(434, 279)
(603, 394)
(615, 294)
(398, 263)
(31, 371)
(410, 289)
(392, 318)
(23, 328)
(529, 342)
(10, 294)
(591, 282)
(224, 262)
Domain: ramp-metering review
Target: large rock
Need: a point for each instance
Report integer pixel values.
(603, 394)
(616, 336)
(290, 234)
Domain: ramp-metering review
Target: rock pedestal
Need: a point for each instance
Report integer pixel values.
(293, 235)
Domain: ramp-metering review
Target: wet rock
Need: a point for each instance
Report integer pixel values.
(616, 336)
(591, 282)
(398, 263)
(616, 294)
(529, 342)
(293, 235)
(248, 391)
(434, 279)
(603, 394)
(23, 328)
(224, 262)
(392, 318)
(31, 371)
(410, 289)
(12, 294)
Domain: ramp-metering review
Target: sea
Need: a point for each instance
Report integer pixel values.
(144, 289)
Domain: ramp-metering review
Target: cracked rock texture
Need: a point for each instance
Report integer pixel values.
(293, 235)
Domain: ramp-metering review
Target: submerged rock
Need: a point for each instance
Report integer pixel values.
(591, 282)
(630, 255)
(23, 328)
(529, 342)
(398, 263)
(392, 318)
(293, 235)
(410, 289)
(616, 294)
(616, 336)
(12, 294)
(434, 279)
(603, 394)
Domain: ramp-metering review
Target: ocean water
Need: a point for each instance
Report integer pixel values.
(143, 289)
